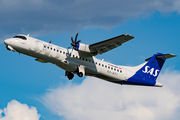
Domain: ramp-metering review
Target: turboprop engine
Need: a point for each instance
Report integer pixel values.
(79, 46)
(83, 47)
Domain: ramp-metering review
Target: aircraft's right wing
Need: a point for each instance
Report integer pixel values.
(106, 45)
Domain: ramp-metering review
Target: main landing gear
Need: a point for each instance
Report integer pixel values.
(70, 75)
(80, 72)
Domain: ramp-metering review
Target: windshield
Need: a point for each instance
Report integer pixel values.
(22, 37)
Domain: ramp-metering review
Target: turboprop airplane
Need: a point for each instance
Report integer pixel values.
(81, 59)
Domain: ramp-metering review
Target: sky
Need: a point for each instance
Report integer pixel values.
(30, 90)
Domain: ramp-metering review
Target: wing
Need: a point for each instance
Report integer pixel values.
(106, 45)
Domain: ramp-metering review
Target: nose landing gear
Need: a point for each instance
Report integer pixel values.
(8, 47)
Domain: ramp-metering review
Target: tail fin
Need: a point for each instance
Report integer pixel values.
(148, 74)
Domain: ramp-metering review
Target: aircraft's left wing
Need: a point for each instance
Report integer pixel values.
(106, 45)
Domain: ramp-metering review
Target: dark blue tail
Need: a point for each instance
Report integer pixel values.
(148, 74)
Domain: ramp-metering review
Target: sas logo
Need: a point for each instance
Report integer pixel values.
(150, 71)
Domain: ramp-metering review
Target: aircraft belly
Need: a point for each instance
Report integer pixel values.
(108, 78)
(108, 73)
(90, 71)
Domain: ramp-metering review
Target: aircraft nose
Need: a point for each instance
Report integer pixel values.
(7, 42)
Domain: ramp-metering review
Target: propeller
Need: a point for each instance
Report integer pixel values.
(75, 42)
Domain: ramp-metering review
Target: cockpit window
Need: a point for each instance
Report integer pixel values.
(22, 37)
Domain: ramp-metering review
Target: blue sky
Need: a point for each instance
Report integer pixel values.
(42, 92)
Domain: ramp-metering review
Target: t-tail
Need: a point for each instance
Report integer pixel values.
(148, 74)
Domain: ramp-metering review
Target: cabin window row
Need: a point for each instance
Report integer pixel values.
(53, 49)
(112, 68)
(118, 70)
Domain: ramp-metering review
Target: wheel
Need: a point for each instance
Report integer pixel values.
(69, 75)
(80, 74)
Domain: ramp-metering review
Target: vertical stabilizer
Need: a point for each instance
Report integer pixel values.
(148, 74)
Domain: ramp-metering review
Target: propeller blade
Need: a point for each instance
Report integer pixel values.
(73, 44)
(72, 39)
(78, 41)
(76, 37)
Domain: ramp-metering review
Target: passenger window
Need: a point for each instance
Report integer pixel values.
(44, 46)
(105, 66)
(86, 59)
(54, 49)
(112, 68)
(51, 48)
(60, 51)
(96, 62)
(92, 61)
(63, 52)
(73, 55)
(108, 67)
(99, 64)
(89, 60)
(118, 70)
(83, 59)
(57, 50)
(76, 56)
(48, 47)
(102, 65)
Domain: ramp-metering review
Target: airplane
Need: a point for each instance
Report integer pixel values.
(81, 59)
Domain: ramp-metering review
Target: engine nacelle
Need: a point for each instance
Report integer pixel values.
(83, 47)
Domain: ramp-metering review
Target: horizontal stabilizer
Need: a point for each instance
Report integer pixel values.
(165, 56)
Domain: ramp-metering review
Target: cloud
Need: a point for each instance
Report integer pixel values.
(40, 17)
(97, 99)
(17, 111)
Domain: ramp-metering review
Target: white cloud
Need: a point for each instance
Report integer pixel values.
(17, 111)
(96, 99)
(46, 16)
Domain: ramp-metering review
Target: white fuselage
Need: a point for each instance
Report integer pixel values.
(70, 59)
